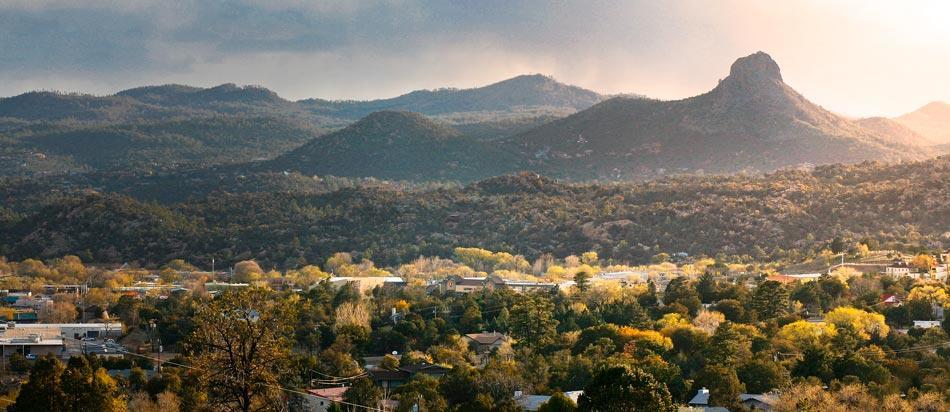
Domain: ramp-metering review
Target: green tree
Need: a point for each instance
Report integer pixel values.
(762, 375)
(43, 391)
(582, 279)
(661, 257)
(90, 388)
(723, 384)
(363, 392)
(770, 300)
(732, 309)
(18, 363)
(241, 346)
(532, 321)
(137, 379)
(421, 394)
(622, 388)
(471, 319)
(728, 346)
(680, 291)
(707, 288)
(558, 403)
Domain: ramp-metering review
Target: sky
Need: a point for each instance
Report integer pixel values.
(855, 57)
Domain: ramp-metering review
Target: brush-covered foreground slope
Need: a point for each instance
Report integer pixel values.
(751, 121)
(931, 121)
(780, 215)
(397, 145)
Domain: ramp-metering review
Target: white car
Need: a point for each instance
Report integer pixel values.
(88, 339)
(30, 356)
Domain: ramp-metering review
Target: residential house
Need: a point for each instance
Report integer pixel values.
(533, 402)
(758, 401)
(365, 283)
(926, 324)
(485, 342)
(390, 379)
(321, 399)
(801, 277)
(460, 284)
(897, 268)
(891, 300)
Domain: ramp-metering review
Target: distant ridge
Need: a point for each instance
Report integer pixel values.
(519, 92)
(751, 120)
(931, 121)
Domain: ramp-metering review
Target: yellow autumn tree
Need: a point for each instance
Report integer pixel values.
(865, 323)
(802, 334)
(930, 292)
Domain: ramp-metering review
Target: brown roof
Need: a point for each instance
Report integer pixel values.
(485, 338)
(333, 394)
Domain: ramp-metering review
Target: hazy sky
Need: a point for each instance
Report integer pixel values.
(857, 57)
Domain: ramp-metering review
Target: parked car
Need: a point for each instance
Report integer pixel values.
(88, 339)
(30, 356)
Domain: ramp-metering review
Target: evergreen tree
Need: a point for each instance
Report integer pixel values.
(43, 391)
(558, 403)
(622, 388)
(770, 300)
(532, 321)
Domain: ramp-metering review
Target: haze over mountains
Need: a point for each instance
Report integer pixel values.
(751, 121)
(931, 121)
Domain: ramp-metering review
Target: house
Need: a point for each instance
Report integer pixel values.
(530, 402)
(891, 300)
(460, 284)
(321, 399)
(528, 287)
(390, 379)
(485, 342)
(701, 398)
(700, 403)
(758, 401)
(534, 402)
(365, 283)
(926, 324)
(897, 268)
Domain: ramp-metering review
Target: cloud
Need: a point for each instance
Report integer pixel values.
(841, 54)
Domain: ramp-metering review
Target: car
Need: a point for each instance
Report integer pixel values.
(88, 339)
(110, 340)
(30, 356)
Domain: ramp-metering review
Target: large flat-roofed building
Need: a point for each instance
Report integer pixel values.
(62, 330)
(31, 345)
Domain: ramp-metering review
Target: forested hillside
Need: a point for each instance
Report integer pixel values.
(779, 216)
(398, 145)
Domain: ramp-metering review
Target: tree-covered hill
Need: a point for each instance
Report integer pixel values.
(398, 145)
(782, 215)
(151, 145)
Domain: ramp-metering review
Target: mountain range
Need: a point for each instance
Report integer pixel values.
(752, 121)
